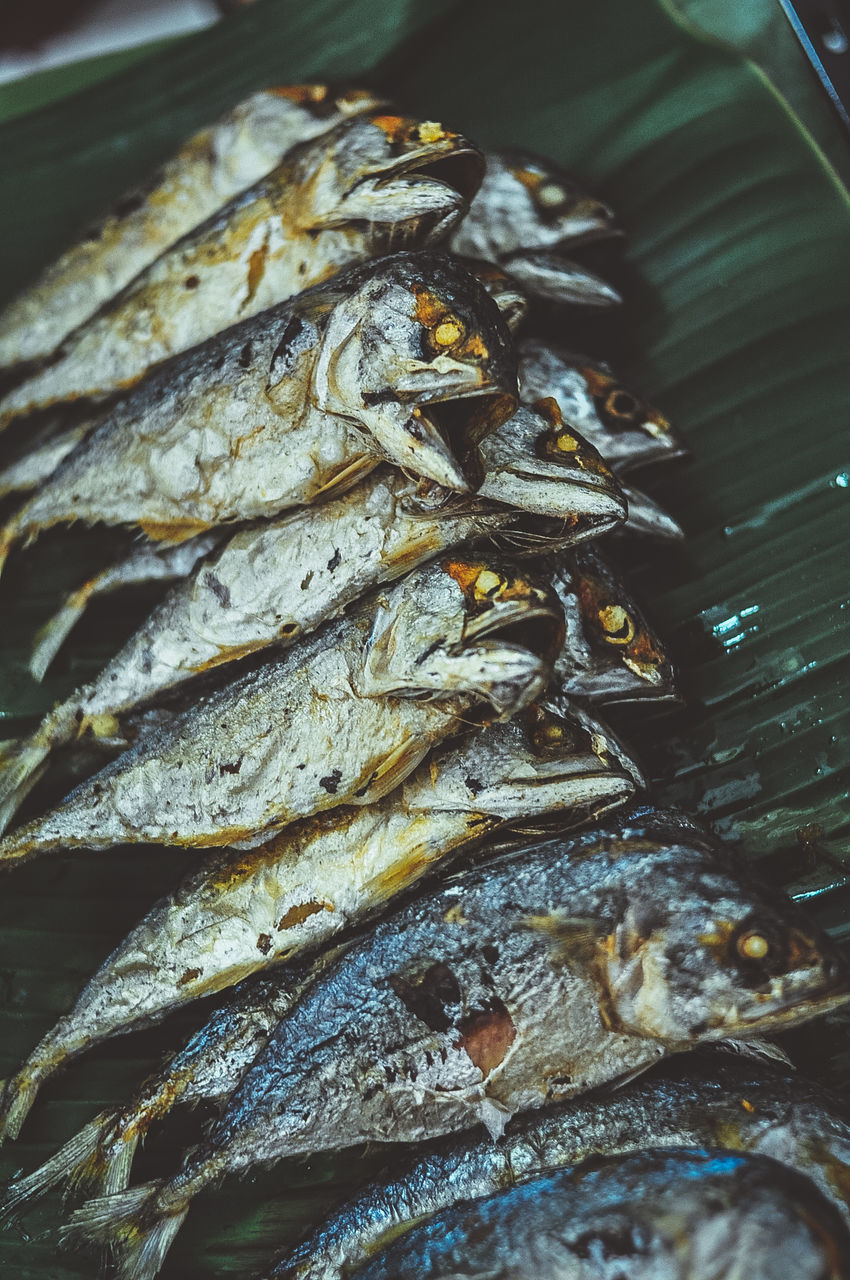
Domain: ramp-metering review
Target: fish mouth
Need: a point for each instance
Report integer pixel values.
(830, 995)
(548, 275)
(588, 499)
(453, 426)
(557, 791)
(448, 160)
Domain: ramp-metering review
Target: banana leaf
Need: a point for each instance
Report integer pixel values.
(736, 324)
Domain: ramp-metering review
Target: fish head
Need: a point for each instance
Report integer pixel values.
(526, 203)
(705, 953)
(478, 626)
(647, 519)
(536, 463)
(611, 653)
(398, 182)
(626, 429)
(537, 764)
(543, 273)
(416, 354)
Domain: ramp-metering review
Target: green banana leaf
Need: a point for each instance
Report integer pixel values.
(736, 324)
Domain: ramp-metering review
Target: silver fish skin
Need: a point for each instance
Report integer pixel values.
(713, 1103)
(47, 450)
(278, 410)
(98, 1158)
(525, 210)
(317, 727)
(693, 1214)
(626, 430)
(240, 913)
(271, 584)
(357, 192)
(205, 173)
(611, 653)
(532, 979)
(646, 519)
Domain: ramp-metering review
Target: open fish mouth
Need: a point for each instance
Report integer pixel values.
(463, 421)
(446, 158)
(789, 1011)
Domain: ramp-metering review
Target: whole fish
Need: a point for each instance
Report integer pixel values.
(277, 411)
(610, 653)
(361, 190)
(684, 1215)
(241, 913)
(200, 177)
(716, 1102)
(319, 727)
(626, 430)
(99, 1157)
(532, 979)
(526, 210)
(270, 584)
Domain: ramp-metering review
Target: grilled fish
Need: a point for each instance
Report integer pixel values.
(714, 1102)
(276, 411)
(274, 582)
(525, 212)
(684, 1215)
(626, 430)
(363, 189)
(318, 727)
(207, 171)
(241, 913)
(535, 978)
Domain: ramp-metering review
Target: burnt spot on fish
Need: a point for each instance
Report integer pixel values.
(383, 396)
(256, 270)
(429, 997)
(219, 590)
(486, 1035)
(306, 580)
(231, 767)
(189, 975)
(332, 781)
(245, 356)
(335, 560)
(490, 952)
(287, 350)
(300, 912)
(264, 943)
(191, 282)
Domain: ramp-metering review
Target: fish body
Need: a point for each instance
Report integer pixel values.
(687, 1215)
(525, 214)
(711, 1101)
(241, 913)
(278, 410)
(529, 980)
(318, 727)
(626, 430)
(357, 192)
(205, 173)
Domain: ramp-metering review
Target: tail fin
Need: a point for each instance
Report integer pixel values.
(80, 1165)
(134, 1224)
(54, 633)
(22, 762)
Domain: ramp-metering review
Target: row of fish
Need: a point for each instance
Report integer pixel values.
(420, 663)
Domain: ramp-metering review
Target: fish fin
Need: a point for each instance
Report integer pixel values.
(394, 768)
(133, 1224)
(758, 1050)
(78, 1164)
(50, 638)
(22, 763)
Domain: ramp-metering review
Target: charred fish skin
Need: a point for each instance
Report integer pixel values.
(626, 430)
(241, 913)
(278, 410)
(357, 192)
(538, 977)
(611, 653)
(206, 172)
(313, 729)
(714, 1102)
(690, 1215)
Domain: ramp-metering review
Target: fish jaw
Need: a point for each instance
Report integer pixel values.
(545, 274)
(536, 464)
(647, 519)
(400, 211)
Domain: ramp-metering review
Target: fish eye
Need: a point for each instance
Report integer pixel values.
(551, 194)
(617, 624)
(753, 945)
(622, 404)
(448, 332)
(488, 585)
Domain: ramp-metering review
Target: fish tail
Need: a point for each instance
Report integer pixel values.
(20, 1091)
(80, 1165)
(138, 1225)
(23, 761)
(50, 638)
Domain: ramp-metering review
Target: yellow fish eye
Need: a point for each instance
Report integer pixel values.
(448, 332)
(488, 584)
(753, 946)
(616, 623)
(551, 194)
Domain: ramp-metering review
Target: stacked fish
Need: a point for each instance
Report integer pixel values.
(259, 363)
